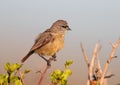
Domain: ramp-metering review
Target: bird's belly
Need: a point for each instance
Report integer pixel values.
(51, 48)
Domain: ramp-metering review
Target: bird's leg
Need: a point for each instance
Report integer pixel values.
(54, 57)
(47, 60)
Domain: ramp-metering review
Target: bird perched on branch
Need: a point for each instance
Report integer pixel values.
(49, 42)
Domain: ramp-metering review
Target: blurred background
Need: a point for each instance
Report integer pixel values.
(90, 20)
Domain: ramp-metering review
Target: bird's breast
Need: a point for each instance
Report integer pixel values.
(52, 47)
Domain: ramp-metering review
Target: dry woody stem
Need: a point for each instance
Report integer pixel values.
(112, 55)
(43, 75)
(95, 72)
(20, 74)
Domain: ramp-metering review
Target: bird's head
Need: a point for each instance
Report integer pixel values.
(61, 26)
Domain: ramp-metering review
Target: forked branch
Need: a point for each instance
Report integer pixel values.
(111, 56)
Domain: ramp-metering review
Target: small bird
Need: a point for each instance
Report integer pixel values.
(49, 42)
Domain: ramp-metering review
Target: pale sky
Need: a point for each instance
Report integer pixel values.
(90, 20)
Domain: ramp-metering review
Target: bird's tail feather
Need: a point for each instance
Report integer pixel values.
(27, 56)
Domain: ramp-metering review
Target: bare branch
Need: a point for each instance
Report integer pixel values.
(95, 54)
(114, 48)
(86, 60)
(39, 72)
(84, 55)
(43, 75)
(99, 66)
(97, 60)
(115, 56)
(21, 78)
(91, 65)
(109, 76)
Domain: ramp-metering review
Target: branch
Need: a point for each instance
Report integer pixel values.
(98, 70)
(109, 76)
(86, 60)
(84, 55)
(53, 84)
(99, 66)
(114, 48)
(43, 75)
(21, 78)
(97, 59)
(95, 54)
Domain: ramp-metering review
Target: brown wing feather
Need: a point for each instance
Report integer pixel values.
(42, 40)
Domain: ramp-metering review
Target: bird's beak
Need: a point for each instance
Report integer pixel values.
(68, 28)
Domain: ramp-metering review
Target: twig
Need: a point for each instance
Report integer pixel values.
(98, 70)
(95, 54)
(114, 48)
(91, 64)
(21, 78)
(53, 84)
(39, 72)
(43, 75)
(109, 76)
(86, 60)
(99, 66)
(84, 54)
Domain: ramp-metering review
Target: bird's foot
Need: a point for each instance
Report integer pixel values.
(54, 58)
(49, 62)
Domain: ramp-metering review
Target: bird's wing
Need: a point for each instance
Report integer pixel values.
(42, 40)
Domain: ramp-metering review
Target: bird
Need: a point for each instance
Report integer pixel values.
(49, 42)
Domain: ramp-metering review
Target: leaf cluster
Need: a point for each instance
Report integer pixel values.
(11, 77)
(61, 76)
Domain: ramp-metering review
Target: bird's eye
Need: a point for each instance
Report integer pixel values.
(64, 26)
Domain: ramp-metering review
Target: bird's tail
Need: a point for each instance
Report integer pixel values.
(27, 56)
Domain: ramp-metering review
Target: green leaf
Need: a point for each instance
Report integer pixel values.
(26, 71)
(15, 66)
(18, 82)
(7, 66)
(14, 78)
(57, 72)
(18, 66)
(64, 82)
(56, 76)
(68, 72)
(68, 63)
(3, 79)
(11, 68)
(60, 76)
